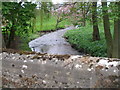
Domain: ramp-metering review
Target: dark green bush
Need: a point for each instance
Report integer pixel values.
(81, 39)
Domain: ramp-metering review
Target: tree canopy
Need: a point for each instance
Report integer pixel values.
(15, 18)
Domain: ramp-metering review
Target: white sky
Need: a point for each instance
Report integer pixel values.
(57, 1)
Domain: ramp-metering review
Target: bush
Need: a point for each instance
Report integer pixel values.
(81, 39)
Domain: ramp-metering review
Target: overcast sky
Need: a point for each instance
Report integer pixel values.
(57, 1)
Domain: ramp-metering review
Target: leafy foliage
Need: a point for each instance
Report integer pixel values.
(18, 14)
(16, 17)
(81, 39)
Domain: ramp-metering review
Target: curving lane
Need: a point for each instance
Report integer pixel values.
(53, 43)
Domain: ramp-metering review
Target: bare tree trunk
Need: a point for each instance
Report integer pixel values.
(107, 32)
(84, 18)
(33, 22)
(41, 19)
(96, 35)
(3, 42)
(84, 15)
(56, 26)
(1, 39)
(11, 37)
(116, 42)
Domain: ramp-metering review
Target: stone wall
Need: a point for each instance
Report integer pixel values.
(35, 70)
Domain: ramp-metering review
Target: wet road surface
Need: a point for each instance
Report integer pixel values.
(53, 43)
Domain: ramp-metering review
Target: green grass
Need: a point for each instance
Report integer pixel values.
(81, 39)
(49, 24)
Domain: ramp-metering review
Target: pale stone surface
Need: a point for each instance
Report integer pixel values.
(73, 71)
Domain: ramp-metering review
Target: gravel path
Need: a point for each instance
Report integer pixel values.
(53, 43)
(65, 71)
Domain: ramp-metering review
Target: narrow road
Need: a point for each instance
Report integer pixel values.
(53, 43)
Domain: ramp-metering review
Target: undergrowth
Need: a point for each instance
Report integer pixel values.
(81, 39)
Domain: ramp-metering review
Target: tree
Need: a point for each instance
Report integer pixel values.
(18, 16)
(62, 13)
(116, 38)
(79, 12)
(108, 35)
(0, 26)
(43, 12)
(96, 35)
(84, 7)
(113, 43)
(1, 44)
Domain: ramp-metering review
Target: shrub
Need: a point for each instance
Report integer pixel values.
(81, 39)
